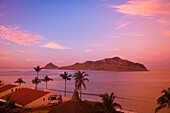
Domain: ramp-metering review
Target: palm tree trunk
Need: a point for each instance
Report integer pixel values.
(46, 85)
(37, 74)
(65, 88)
(35, 86)
(80, 93)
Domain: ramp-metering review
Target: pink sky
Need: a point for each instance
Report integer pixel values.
(137, 30)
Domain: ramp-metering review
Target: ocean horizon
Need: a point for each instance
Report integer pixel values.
(135, 91)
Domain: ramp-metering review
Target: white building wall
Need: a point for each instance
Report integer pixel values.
(10, 91)
(40, 101)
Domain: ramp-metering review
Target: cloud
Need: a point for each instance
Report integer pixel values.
(6, 58)
(162, 21)
(16, 35)
(144, 7)
(133, 34)
(167, 33)
(111, 37)
(17, 51)
(53, 45)
(89, 50)
(26, 51)
(122, 24)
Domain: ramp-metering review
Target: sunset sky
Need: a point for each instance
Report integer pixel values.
(36, 32)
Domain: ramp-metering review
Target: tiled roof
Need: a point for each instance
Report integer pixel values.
(1, 85)
(6, 87)
(24, 96)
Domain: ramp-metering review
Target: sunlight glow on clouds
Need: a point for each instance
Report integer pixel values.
(6, 58)
(167, 33)
(122, 24)
(17, 51)
(53, 45)
(16, 35)
(144, 7)
(89, 50)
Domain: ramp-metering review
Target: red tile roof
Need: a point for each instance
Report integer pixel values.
(6, 87)
(1, 84)
(24, 96)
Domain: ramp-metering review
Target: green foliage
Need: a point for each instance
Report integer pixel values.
(65, 76)
(36, 81)
(80, 78)
(38, 69)
(164, 100)
(8, 106)
(20, 81)
(108, 105)
(46, 79)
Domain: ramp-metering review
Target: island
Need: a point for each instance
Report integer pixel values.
(107, 64)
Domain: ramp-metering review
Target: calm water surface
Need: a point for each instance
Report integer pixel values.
(138, 91)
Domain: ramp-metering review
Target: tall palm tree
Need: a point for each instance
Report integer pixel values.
(164, 100)
(108, 105)
(65, 76)
(80, 78)
(46, 79)
(19, 81)
(38, 69)
(36, 81)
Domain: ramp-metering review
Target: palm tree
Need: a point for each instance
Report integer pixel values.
(65, 76)
(8, 106)
(80, 78)
(164, 100)
(38, 69)
(19, 81)
(108, 105)
(36, 81)
(46, 79)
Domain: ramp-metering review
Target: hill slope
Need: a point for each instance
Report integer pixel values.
(50, 66)
(108, 64)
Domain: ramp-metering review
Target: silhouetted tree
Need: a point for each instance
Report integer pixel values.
(36, 81)
(108, 105)
(38, 69)
(8, 106)
(19, 81)
(164, 100)
(46, 79)
(80, 78)
(65, 76)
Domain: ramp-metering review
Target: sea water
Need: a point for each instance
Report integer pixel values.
(134, 91)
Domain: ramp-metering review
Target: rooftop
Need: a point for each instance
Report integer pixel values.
(6, 87)
(25, 95)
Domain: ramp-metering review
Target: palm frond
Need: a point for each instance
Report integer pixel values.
(159, 108)
(116, 105)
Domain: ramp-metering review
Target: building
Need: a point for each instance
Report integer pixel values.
(6, 89)
(74, 105)
(30, 98)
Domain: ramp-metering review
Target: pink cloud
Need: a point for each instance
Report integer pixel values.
(122, 24)
(144, 7)
(53, 45)
(26, 51)
(17, 51)
(167, 33)
(6, 58)
(14, 34)
(89, 50)
(163, 21)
